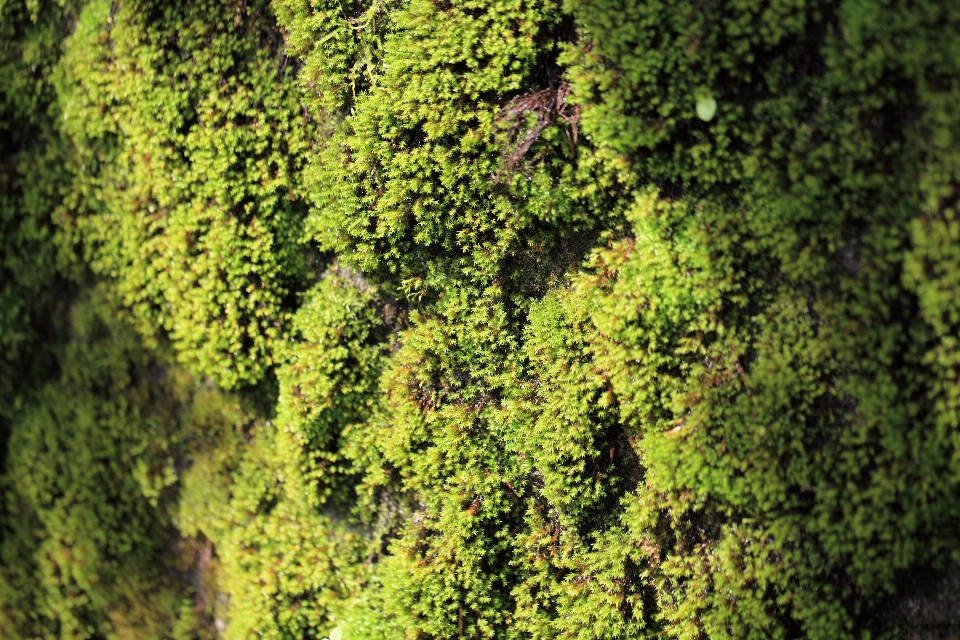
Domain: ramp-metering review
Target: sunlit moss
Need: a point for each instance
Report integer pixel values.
(543, 319)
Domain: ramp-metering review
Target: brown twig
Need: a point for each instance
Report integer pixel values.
(548, 106)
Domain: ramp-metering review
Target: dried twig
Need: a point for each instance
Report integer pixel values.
(548, 106)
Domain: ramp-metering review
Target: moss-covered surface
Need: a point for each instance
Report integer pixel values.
(483, 319)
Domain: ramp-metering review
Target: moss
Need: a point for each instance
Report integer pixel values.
(581, 319)
(90, 475)
(187, 194)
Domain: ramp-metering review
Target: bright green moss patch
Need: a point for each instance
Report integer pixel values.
(456, 319)
(189, 146)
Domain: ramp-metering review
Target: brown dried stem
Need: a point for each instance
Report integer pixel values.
(548, 106)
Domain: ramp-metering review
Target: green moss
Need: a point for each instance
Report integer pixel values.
(31, 176)
(187, 193)
(280, 503)
(90, 470)
(540, 347)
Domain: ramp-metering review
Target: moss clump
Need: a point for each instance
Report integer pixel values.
(542, 319)
(189, 144)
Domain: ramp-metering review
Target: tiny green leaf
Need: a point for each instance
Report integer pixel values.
(706, 108)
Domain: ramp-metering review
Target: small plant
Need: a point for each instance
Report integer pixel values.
(706, 108)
